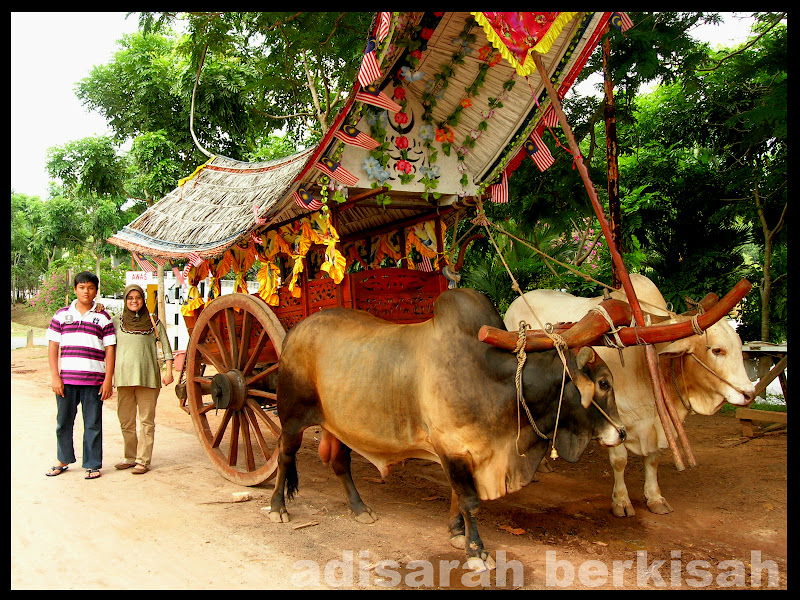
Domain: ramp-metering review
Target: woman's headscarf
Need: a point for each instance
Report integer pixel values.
(136, 322)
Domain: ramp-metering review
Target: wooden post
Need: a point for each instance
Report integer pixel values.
(616, 257)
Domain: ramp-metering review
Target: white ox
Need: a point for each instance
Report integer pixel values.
(720, 350)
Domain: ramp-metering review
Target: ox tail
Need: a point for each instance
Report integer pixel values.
(292, 480)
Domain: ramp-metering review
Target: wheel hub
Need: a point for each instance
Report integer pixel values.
(228, 390)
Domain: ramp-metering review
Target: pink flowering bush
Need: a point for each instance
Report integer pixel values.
(53, 291)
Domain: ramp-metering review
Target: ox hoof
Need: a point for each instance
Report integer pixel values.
(366, 517)
(459, 541)
(279, 516)
(622, 509)
(659, 507)
(478, 564)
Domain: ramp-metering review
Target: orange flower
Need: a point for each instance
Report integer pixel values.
(466, 103)
(444, 135)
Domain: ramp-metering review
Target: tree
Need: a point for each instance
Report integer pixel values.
(92, 175)
(297, 68)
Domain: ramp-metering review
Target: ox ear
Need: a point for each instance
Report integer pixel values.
(584, 384)
(676, 349)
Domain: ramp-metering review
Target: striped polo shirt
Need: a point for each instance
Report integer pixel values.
(82, 340)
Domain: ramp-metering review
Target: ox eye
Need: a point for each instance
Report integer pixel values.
(604, 385)
(718, 352)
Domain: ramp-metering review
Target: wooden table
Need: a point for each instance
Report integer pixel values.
(758, 350)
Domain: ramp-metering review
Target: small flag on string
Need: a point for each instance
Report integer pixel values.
(335, 170)
(500, 190)
(304, 199)
(350, 135)
(178, 275)
(143, 263)
(384, 21)
(550, 118)
(194, 260)
(424, 265)
(539, 152)
(369, 70)
(256, 210)
(159, 260)
(370, 94)
(621, 21)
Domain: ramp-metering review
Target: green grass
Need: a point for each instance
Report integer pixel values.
(730, 409)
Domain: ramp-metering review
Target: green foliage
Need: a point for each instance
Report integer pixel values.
(57, 286)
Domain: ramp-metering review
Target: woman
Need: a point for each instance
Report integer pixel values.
(137, 377)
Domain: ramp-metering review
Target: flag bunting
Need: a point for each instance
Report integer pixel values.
(143, 263)
(305, 200)
(370, 94)
(621, 21)
(500, 190)
(335, 170)
(369, 70)
(539, 152)
(350, 135)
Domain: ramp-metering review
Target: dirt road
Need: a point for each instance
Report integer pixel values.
(176, 527)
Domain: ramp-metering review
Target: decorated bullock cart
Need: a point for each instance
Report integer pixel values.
(445, 107)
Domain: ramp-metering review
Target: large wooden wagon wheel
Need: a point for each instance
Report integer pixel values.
(239, 338)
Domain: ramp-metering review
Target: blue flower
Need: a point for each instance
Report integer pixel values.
(427, 132)
(430, 172)
(410, 76)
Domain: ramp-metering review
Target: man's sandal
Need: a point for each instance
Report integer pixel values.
(92, 473)
(55, 471)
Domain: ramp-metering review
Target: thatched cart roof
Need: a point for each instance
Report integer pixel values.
(480, 106)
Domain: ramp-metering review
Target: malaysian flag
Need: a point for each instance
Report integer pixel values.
(369, 70)
(350, 135)
(304, 199)
(621, 21)
(178, 275)
(424, 265)
(550, 118)
(143, 263)
(384, 21)
(500, 190)
(539, 151)
(159, 260)
(335, 170)
(370, 94)
(194, 260)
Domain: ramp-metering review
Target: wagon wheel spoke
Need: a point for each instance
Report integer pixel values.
(262, 375)
(234, 447)
(221, 429)
(253, 358)
(210, 356)
(250, 461)
(213, 326)
(259, 412)
(247, 325)
(233, 344)
(262, 443)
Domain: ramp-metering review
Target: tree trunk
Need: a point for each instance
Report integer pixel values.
(161, 308)
(614, 209)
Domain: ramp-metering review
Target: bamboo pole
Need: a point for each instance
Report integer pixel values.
(616, 257)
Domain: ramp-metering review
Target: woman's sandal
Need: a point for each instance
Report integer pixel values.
(55, 471)
(92, 473)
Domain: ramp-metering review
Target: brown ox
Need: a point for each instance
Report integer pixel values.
(706, 370)
(433, 391)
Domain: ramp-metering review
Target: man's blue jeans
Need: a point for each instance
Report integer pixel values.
(88, 396)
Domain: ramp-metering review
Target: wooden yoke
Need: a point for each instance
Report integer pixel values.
(591, 328)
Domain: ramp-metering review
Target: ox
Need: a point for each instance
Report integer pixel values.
(704, 390)
(433, 391)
